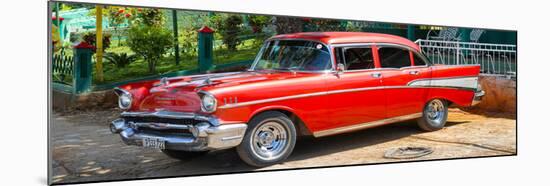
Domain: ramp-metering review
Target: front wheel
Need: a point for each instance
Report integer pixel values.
(434, 115)
(269, 139)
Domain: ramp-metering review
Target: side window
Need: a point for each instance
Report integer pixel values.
(418, 61)
(393, 57)
(358, 58)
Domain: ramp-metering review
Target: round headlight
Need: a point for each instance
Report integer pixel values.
(125, 101)
(208, 103)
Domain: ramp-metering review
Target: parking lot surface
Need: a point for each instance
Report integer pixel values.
(83, 148)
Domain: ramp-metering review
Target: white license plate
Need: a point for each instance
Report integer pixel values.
(154, 143)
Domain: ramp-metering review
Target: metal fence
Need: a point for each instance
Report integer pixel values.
(494, 59)
(62, 67)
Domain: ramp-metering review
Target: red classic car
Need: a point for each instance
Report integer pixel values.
(318, 84)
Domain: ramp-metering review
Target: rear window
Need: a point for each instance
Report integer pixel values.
(393, 57)
(418, 61)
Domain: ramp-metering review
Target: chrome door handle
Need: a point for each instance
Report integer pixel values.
(414, 72)
(376, 75)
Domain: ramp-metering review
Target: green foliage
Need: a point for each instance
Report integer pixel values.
(151, 42)
(71, 6)
(120, 60)
(285, 24)
(188, 40)
(324, 25)
(258, 22)
(150, 17)
(354, 26)
(329, 25)
(118, 15)
(217, 20)
(92, 11)
(230, 28)
(119, 49)
(90, 38)
(246, 51)
(138, 68)
(65, 7)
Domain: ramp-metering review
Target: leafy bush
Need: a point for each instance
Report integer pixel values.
(151, 42)
(188, 40)
(258, 22)
(150, 17)
(286, 24)
(90, 38)
(118, 15)
(230, 28)
(120, 60)
(323, 25)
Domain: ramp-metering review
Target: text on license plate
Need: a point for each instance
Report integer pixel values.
(153, 143)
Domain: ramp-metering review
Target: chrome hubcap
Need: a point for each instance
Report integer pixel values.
(270, 140)
(435, 111)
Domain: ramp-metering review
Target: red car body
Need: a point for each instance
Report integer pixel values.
(292, 91)
(322, 103)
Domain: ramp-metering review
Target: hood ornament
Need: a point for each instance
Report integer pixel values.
(164, 81)
(160, 86)
(207, 81)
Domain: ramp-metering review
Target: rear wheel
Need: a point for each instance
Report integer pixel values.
(434, 115)
(269, 139)
(183, 155)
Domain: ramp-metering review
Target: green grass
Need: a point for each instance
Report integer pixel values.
(245, 51)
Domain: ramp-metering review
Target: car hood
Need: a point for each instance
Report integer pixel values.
(181, 93)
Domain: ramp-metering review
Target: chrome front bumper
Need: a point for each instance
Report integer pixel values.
(206, 135)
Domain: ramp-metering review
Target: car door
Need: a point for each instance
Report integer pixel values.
(354, 97)
(398, 71)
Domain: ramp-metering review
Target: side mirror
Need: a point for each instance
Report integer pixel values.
(340, 68)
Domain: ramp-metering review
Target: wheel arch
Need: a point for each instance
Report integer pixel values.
(462, 98)
(301, 127)
(448, 101)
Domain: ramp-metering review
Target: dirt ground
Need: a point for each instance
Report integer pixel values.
(85, 150)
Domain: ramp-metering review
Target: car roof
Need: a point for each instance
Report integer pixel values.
(348, 37)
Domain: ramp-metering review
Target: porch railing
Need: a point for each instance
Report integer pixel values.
(494, 59)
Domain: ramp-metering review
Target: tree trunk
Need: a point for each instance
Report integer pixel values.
(151, 65)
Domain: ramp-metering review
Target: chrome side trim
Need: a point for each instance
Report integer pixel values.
(271, 100)
(465, 82)
(360, 126)
(228, 106)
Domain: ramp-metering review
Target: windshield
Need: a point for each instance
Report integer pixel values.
(293, 55)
